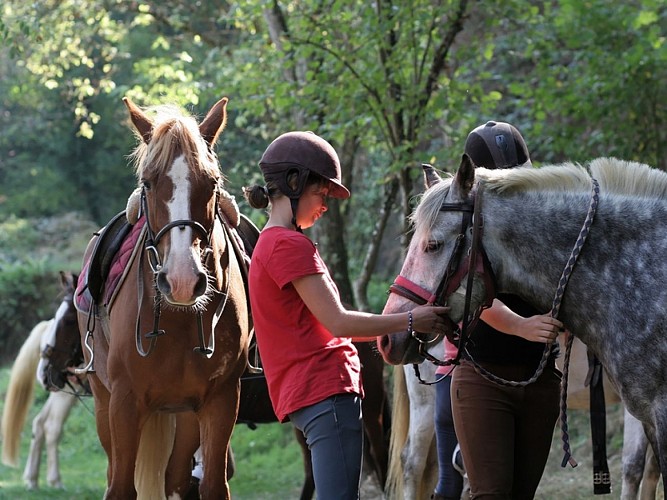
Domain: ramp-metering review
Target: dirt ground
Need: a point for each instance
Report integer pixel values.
(566, 483)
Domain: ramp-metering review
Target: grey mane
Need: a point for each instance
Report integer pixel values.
(614, 176)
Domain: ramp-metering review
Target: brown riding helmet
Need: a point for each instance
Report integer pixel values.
(302, 152)
(497, 145)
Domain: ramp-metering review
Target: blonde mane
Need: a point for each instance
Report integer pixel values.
(614, 176)
(174, 133)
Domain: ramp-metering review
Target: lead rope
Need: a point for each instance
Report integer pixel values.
(555, 308)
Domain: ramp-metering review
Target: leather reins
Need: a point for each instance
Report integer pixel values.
(153, 257)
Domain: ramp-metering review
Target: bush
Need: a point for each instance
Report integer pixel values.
(32, 253)
(29, 293)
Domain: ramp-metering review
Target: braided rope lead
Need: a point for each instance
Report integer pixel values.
(567, 458)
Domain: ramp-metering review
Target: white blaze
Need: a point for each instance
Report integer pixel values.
(181, 266)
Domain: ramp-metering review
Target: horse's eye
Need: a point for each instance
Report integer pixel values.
(146, 184)
(433, 246)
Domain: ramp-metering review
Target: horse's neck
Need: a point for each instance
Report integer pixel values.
(529, 245)
(530, 238)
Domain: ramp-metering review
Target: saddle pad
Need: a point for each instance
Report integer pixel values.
(119, 263)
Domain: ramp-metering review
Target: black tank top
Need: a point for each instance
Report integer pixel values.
(487, 344)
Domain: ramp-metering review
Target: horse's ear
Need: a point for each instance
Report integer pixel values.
(215, 122)
(141, 122)
(65, 280)
(431, 177)
(465, 176)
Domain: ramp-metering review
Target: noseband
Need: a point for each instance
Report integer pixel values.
(153, 239)
(457, 268)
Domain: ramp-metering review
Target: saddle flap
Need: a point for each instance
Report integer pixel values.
(110, 239)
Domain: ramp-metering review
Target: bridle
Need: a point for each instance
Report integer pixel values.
(404, 287)
(155, 263)
(153, 239)
(73, 357)
(476, 262)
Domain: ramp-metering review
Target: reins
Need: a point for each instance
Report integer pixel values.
(411, 291)
(150, 246)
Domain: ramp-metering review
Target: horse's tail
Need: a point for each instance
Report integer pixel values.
(155, 446)
(20, 392)
(400, 423)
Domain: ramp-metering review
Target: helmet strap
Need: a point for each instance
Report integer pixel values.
(294, 202)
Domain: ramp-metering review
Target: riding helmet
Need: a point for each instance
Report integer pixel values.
(302, 152)
(497, 145)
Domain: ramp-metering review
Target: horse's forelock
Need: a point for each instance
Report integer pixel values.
(174, 133)
(425, 214)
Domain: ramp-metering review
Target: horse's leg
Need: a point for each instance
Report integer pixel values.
(635, 444)
(657, 438)
(373, 409)
(102, 397)
(178, 477)
(651, 476)
(308, 488)
(419, 450)
(31, 471)
(125, 425)
(59, 409)
(216, 423)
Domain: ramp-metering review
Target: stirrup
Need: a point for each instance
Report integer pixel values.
(89, 368)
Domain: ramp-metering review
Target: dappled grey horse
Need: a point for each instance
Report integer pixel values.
(527, 222)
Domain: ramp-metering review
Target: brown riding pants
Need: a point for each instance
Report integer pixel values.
(504, 432)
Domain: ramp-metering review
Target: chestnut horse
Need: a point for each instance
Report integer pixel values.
(174, 340)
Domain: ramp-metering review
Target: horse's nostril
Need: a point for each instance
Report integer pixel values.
(163, 283)
(384, 341)
(202, 282)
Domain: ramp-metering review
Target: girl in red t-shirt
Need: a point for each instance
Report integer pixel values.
(303, 331)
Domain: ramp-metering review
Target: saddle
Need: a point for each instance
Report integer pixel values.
(108, 243)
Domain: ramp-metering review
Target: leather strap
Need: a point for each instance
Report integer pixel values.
(601, 476)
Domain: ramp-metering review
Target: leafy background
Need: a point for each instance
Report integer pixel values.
(391, 84)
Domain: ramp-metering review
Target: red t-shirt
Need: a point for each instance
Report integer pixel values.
(302, 361)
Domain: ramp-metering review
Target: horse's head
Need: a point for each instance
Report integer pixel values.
(61, 343)
(435, 268)
(180, 189)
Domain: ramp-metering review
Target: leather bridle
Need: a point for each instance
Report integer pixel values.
(150, 246)
(153, 239)
(476, 262)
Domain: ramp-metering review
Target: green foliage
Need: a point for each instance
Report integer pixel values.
(26, 297)
(32, 253)
(594, 82)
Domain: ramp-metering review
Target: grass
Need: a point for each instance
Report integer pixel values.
(268, 459)
(269, 464)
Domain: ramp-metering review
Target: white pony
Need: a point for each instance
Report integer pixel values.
(47, 426)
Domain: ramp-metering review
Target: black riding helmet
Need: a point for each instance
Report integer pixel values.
(301, 153)
(497, 145)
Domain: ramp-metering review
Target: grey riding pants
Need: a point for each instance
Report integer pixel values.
(334, 433)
